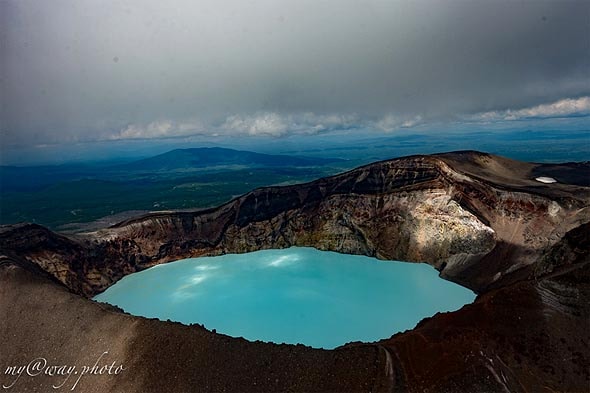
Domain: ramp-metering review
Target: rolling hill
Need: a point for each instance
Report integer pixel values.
(216, 156)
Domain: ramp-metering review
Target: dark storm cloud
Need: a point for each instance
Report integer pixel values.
(83, 70)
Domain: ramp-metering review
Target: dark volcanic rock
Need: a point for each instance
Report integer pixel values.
(482, 220)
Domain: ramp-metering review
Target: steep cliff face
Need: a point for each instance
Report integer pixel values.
(482, 220)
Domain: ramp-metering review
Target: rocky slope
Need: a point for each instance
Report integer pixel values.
(482, 220)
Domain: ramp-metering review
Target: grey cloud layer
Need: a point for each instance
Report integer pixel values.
(97, 70)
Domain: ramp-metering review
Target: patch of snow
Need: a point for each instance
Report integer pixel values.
(546, 180)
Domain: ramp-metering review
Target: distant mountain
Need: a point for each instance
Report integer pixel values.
(217, 156)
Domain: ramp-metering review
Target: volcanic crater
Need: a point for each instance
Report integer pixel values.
(483, 221)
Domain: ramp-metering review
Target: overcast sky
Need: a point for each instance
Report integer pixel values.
(81, 70)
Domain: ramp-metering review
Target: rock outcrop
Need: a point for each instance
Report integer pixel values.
(482, 220)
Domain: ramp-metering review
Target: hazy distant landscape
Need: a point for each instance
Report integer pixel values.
(180, 179)
(64, 196)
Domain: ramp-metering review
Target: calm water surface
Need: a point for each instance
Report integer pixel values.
(296, 295)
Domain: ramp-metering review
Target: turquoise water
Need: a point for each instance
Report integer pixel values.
(296, 295)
